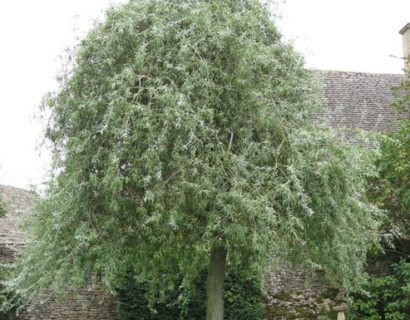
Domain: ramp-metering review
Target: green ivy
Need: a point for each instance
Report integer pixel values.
(388, 297)
(242, 299)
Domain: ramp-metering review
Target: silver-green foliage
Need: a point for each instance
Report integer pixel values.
(183, 125)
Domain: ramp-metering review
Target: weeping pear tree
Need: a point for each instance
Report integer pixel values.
(181, 139)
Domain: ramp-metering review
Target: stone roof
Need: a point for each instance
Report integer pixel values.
(356, 100)
(18, 203)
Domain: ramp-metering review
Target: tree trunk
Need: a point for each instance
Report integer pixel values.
(215, 285)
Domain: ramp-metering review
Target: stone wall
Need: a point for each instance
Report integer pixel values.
(6, 255)
(91, 304)
(292, 293)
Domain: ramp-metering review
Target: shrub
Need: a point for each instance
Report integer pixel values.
(242, 299)
(132, 302)
(388, 297)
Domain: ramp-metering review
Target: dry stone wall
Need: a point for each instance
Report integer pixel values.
(90, 304)
(292, 293)
(6, 255)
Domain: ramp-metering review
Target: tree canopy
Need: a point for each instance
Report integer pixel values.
(181, 128)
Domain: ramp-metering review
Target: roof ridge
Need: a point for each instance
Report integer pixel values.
(358, 72)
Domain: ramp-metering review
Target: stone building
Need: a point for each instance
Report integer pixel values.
(352, 100)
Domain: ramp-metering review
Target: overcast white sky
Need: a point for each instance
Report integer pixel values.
(348, 35)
